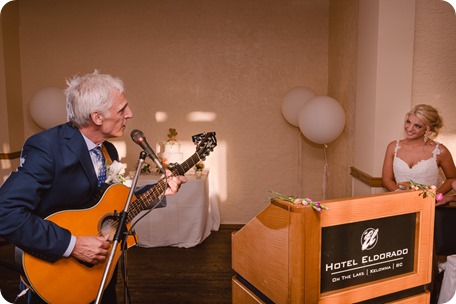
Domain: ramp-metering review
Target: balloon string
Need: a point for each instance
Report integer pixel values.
(325, 172)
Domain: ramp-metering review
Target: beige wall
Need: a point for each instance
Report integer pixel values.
(236, 60)
(434, 65)
(5, 166)
(11, 107)
(343, 35)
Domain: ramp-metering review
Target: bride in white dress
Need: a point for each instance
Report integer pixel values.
(418, 157)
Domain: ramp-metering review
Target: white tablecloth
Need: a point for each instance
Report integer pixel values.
(448, 288)
(188, 218)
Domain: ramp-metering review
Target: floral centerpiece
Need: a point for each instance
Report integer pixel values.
(164, 164)
(145, 168)
(317, 206)
(199, 166)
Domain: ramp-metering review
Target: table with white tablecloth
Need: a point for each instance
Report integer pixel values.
(447, 292)
(188, 218)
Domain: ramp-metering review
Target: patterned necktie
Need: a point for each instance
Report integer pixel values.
(100, 164)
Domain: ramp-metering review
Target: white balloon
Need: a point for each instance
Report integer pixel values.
(2, 3)
(322, 119)
(48, 107)
(294, 101)
(452, 2)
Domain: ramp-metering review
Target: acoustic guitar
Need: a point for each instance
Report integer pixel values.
(71, 281)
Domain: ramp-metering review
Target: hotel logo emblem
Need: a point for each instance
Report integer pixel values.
(369, 239)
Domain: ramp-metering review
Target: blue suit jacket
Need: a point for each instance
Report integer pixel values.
(56, 173)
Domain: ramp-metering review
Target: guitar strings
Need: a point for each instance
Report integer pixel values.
(110, 226)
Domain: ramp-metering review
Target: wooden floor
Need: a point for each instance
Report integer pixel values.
(201, 274)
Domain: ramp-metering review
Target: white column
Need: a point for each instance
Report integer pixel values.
(384, 81)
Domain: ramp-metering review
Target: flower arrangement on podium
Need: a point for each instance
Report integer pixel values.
(426, 190)
(317, 206)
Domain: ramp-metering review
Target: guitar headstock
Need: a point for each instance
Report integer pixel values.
(205, 143)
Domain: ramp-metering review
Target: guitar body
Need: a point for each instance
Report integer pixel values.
(68, 280)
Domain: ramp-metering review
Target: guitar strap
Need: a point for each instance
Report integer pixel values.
(106, 156)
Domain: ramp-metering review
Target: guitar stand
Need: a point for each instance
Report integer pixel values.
(121, 232)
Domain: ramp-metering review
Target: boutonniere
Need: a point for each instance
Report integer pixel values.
(115, 173)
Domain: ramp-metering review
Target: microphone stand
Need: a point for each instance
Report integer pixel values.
(121, 232)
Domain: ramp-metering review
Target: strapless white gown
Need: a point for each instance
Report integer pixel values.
(425, 172)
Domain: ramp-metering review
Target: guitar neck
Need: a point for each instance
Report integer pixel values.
(145, 199)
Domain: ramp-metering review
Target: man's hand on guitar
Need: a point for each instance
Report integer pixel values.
(174, 182)
(91, 249)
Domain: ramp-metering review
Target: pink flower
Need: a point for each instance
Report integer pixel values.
(439, 197)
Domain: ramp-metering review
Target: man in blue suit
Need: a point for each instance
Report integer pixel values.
(58, 172)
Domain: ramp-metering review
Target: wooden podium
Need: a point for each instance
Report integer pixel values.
(362, 248)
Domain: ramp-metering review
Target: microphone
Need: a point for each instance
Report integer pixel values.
(139, 138)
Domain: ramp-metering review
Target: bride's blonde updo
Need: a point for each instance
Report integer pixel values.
(430, 117)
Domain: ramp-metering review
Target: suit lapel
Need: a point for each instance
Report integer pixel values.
(75, 143)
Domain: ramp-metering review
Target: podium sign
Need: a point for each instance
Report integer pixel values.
(366, 251)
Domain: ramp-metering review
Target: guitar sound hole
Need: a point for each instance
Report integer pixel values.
(109, 227)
